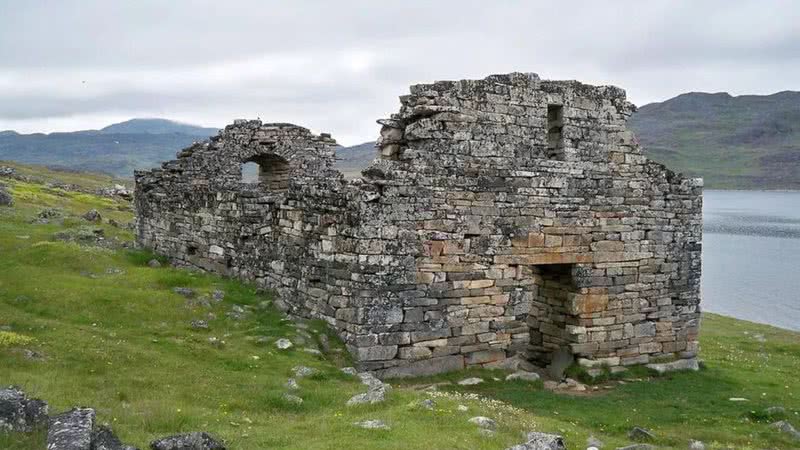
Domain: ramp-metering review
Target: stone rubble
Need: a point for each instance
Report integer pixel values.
(188, 441)
(20, 413)
(541, 441)
(503, 217)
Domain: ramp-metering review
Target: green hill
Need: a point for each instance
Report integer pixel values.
(742, 142)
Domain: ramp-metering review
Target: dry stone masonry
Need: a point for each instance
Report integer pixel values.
(503, 217)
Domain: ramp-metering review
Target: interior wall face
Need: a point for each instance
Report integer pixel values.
(470, 239)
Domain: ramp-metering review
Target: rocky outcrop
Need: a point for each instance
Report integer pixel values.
(541, 441)
(20, 413)
(188, 441)
(501, 217)
(72, 430)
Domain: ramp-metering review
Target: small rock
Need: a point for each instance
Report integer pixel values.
(524, 376)
(20, 413)
(303, 371)
(470, 381)
(785, 427)
(114, 271)
(218, 295)
(283, 343)
(428, 404)
(682, 364)
(484, 422)
(551, 385)
(236, 312)
(637, 447)
(579, 387)
(92, 216)
(105, 439)
(292, 399)
(188, 441)
(696, 445)
(775, 411)
(32, 355)
(325, 342)
(541, 441)
(184, 291)
(592, 441)
(216, 342)
(199, 324)
(349, 371)
(462, 408)
(6, 199)
(313, 351)
(291, 383)
(372, 425)
(641, 434)
(71, 430)
(737, 399)
(485, 432)
(154, 263)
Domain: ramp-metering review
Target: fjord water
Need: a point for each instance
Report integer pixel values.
(751, 256)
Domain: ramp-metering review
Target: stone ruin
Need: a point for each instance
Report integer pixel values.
(503, 218)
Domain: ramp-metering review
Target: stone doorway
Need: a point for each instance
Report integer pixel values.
(551, 314)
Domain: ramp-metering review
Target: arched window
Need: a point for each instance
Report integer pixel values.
(270, 171)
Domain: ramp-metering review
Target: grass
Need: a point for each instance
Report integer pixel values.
(114, 335)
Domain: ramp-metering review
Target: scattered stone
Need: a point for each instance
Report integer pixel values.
(462, 408)
(551, 385)
(349, 371)
(376, 390)
(677, 365)
(48, 214)
(524, 376)
(470, 381)
(71, 430)
(92, 216)
(787, 428)
(236, 312)
(372, 425)
(283, 343)
(216, 342)
(484, 422)
(20, 413)
(593, 442)
(32, 355)
(184, 291)
(428, 404)
(291, 383)
(303, 371)
(696, 445)
(188, 441)
(641, 434)
(218, 295)
(114, 271)
(199, 324)
(6, 199)
(154, 263)
(104, 438)
(541, 441)
(291, 398)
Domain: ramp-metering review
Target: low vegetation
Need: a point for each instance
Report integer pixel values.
(94, 325)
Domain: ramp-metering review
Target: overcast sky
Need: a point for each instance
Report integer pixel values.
(336, 66)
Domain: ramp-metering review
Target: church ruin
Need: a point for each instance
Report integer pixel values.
(505, 216)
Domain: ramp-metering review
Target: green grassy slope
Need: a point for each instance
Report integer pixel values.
(114, 336)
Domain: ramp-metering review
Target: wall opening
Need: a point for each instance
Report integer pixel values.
(550, 315)
(269, 171)
(555, 129)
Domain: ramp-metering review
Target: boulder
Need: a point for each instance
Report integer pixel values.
(785, 427)
(92, 216)
(303, 371)
(376, 390)
(188, 441)
(71, 430)
(678, 365)
(283, 343)
(484, 422)
(20, 413)
(541, 441)
(105, 439)
(641, 434)
(372, 425)
(154, 263)
(6, 199)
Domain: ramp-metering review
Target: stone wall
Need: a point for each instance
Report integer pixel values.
(503, 216)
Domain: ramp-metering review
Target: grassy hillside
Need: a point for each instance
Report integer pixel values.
(111, 333)
(743, 142)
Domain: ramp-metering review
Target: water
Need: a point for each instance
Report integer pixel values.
(751, 256)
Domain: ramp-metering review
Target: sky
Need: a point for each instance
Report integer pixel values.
(337, 66)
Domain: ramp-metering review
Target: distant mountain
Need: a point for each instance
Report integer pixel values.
(117, 149)
(351, 160)
(157, 126)
(742, 142)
